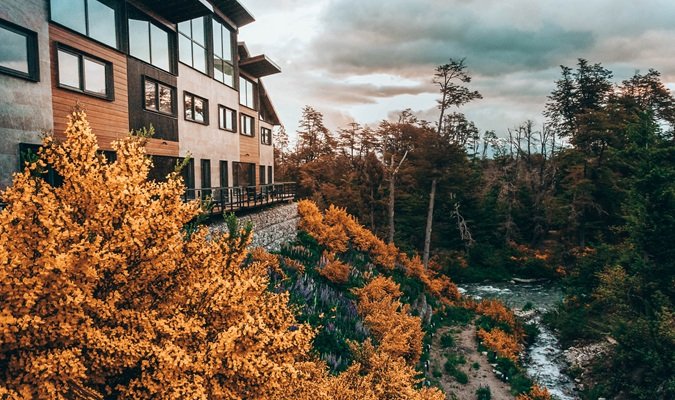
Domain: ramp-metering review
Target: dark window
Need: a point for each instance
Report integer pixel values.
(94, 18)
(19, 51)
(192, 43)
(158, 97)
(206, 178)
(80, 72)
(269, 174)
(246, 93)
(227, 119)
(261, 170)
(224, 179)
(265, 136)
(188, 173)
(196, 109)
(223, 69)
(149, 42)
(247, 124)
(243, 174)
(28, 154)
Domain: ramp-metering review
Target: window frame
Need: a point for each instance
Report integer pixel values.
(265, 139)
(174, 108)
(206, 108)
(193, 43)
(242, 125)
(172, 44)
(221, 119)
(81, 57)
(254, 90)
(32, 52)
(116, 7)
(225, 28)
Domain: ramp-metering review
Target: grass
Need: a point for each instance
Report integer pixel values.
(483, 393)
(450, 366)
(447, 340)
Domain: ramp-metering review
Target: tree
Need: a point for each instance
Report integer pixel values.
(314, 139)
(453, 94)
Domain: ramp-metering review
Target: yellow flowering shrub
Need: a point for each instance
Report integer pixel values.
(536, 393)
(102, 293)
(502, 343)
(333, 269)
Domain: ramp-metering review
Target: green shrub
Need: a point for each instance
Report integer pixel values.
(461, 377)
(483, 393)
(447, 340)
(475, 365)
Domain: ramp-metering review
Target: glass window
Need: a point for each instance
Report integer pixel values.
(196, 108)
(69, 69)
(94, 18)
(227, 118)
(192, 43)
(224, 181)
(18, 51)
(94, 76)
(14, 50)
(265, 136)
(246, 125)
(86, 74)
(269, 174)
(223, 70)
(158, 97)
(150, 95)
(160, 47)
(70, 13)
(101, 22)
(165, 99)
(149, 42)
(139, 45)
(246, 90)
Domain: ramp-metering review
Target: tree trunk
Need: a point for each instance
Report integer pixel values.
(430, 220)
(392, 187)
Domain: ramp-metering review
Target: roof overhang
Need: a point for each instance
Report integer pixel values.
(259, 66)
(235, 11)
(180, 10)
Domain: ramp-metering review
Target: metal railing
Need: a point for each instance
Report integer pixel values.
(230, 199)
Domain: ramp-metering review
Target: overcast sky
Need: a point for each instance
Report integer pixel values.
(365, 60)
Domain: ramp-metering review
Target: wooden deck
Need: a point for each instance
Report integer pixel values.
(219, 200)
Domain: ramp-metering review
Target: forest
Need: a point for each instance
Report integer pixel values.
(586, 200)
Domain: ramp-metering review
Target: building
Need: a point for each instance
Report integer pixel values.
(175, 65)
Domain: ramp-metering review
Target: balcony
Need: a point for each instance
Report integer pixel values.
(239, 198)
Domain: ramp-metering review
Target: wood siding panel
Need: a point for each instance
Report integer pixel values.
(248, 149)
(166, 127)
(109, 120)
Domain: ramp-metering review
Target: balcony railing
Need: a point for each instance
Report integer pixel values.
(230, 199)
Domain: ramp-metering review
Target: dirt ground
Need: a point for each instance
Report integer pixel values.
(465, 343)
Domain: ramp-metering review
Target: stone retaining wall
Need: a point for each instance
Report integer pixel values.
(271, 227)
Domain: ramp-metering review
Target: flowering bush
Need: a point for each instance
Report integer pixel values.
(502, 343)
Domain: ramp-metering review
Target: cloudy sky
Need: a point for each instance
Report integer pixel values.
(365, 60)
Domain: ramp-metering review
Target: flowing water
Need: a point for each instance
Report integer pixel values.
(544, 361)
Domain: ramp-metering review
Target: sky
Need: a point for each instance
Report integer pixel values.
(366, 60)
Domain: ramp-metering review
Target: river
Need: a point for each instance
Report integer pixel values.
(544, 360)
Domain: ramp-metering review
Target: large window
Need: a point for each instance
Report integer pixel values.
(223, 70)
(246, 124)
(261, 173)
(158, 97)
(227, 119)
(246, 93)
(265, 136)
(83, 73)
(269, 174)
(243, 174)
(196, 108)
(18, 51)
(149, 42)
(94, 18)
(192, 43)
(224, 180)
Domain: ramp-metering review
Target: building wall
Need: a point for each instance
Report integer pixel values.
(25, 106)
(206, 141)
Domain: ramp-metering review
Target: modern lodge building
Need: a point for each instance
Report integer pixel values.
(175, 65)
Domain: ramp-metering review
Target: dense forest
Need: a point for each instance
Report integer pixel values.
(586, 199)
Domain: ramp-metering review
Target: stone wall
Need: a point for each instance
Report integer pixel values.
(271, 227)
